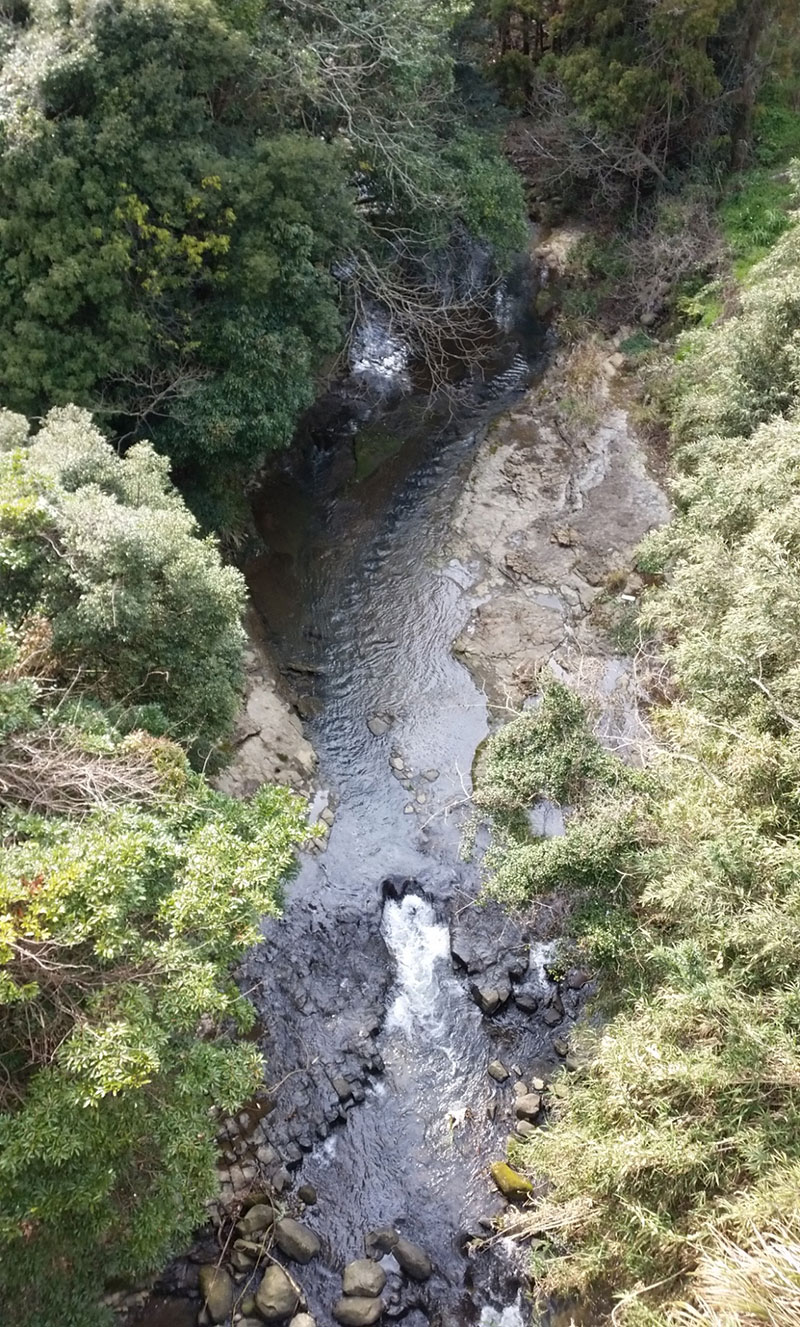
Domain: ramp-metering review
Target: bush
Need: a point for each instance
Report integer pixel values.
(141, 609)
(672, 1155)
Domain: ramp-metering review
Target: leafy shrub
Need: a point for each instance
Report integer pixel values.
(672, 1154)
(116, 940)
(141, 608)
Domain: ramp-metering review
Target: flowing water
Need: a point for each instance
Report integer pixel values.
(362, 602)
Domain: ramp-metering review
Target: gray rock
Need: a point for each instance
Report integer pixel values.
(497, 1070)
(528, 1107)
(302, 1320)
(561, 1047)
(520, 1088)
(380, 1241)
(551, 1017)
(278, 1296)
(257, 1218)
(281, 1179)
(216, 1288)
(241, 1260)
(342, 1088)
(363, 1277)
(576, 979)
(487, 998)
(538, 1084)
(296, 1241)
(357, 1311)
(431, 775)
(525, 1129)
(397, 762)
(379, 724)
(413, 1260)
(526, 1000)
(307, 1194)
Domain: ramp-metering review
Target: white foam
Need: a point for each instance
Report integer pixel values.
(510, 1316)
(421, 948)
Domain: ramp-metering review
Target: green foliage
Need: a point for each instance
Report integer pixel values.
(179, 180)
(624, 97)
(106, 551)
(744, 372)
(676, 1135)
(116, 938)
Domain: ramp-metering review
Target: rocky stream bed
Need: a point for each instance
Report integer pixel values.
(408, 1031)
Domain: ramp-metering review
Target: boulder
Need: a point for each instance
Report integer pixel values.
(520, 1088)
(278, 1296)
(379, 724)
(528, 1107)
(497, 1070)
(487, 938)
(413, 1260)
(342, 1088)
(307, 1194)
(302, 1320)
(357, 1310)
(487, 998)
(551, 1018)
(524, 1129)
(296, 1241)
(577, 979)
(363, 1277)
(256, 1219)
(526, 999)
(216, 1288)
(511, 1184)
(561, 1047)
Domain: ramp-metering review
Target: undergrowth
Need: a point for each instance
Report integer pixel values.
(672, 1156)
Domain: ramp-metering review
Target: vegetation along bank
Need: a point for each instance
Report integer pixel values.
(200, 203)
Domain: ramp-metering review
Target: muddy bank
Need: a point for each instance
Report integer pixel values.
(269, 745)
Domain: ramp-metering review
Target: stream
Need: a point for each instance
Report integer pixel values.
(377, 1052)
(362, 603)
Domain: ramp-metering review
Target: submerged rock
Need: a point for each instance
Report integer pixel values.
(216, 1288)
(413, 1259)
(295, 1240)
(307, 1194)
(363, 1277)
(278, 1296)
(357, 1311)
(497, 1070)
(379, 724)
(511, 1184)
(380, 1241)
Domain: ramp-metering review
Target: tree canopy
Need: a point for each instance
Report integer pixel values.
(180, 180)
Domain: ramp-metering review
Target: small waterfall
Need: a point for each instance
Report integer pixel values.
(421, 948)
(379, 358)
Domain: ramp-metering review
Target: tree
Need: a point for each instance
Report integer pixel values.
(141, 609)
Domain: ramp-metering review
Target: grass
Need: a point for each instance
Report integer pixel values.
(671, 1160)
